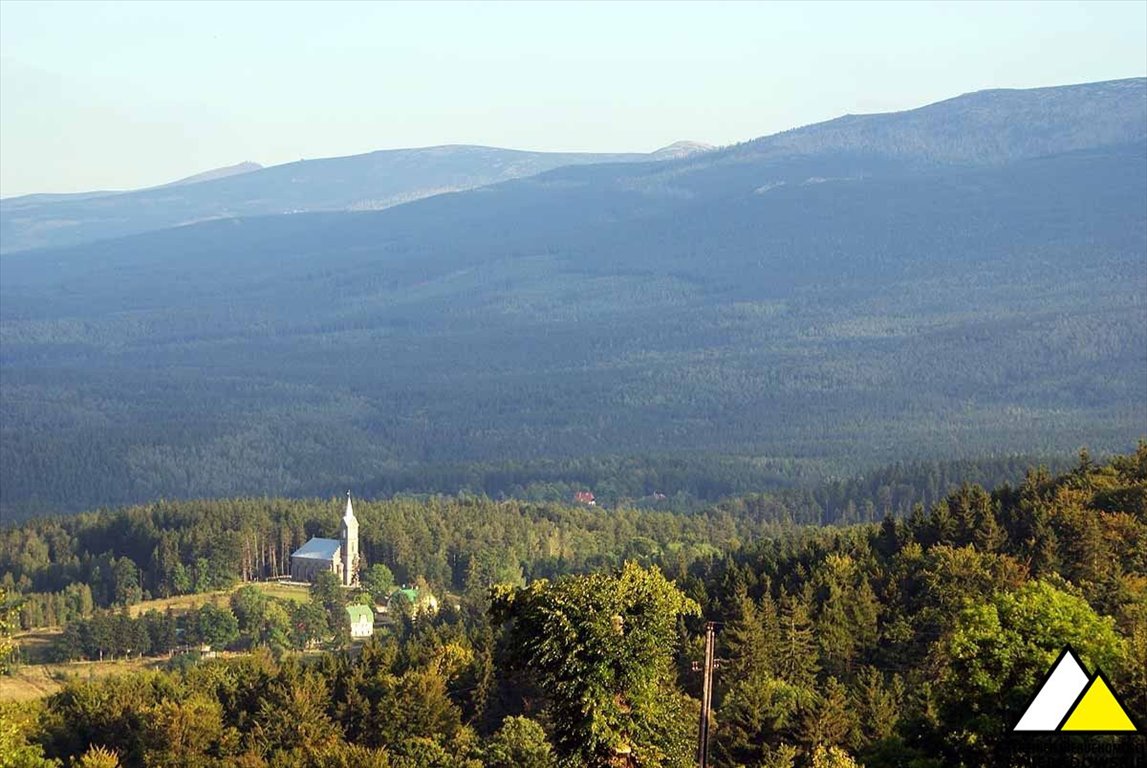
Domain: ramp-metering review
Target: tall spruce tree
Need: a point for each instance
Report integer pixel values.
(798, 662)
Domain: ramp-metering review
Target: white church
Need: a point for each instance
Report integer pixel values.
(339, 556)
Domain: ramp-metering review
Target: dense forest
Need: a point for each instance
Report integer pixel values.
(914, 640)
(66, 566)
(953, 282)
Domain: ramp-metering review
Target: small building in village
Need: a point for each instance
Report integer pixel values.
(416, 601)
(361, 620)
(339, 556)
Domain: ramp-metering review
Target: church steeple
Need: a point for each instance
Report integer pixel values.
(350, 545)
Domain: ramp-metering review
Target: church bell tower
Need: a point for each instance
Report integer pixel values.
(350, 545)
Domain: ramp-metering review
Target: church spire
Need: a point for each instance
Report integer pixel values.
(351, 562)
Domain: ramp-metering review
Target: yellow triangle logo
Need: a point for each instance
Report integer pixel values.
(1069, 699)
(1098, 710)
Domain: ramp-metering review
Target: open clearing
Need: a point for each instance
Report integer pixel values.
(36, 677)
(184, 603)
(181, 603)
(296, 592)
(33, 681)
(34, 646)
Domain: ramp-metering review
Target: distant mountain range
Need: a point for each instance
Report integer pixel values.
(27, 202)
(360, 182)
(964, 279)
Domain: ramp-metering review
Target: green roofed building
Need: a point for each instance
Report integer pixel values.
(361, 620)
(413, 600)
(409, 593)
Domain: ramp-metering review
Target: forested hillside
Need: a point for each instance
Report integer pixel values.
(915, 641)
(922, 285)
(62, 564)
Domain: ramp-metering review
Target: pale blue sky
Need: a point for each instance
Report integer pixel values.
(99, 95)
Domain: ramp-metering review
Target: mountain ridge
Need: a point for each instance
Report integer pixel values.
(1097, 102)
(224, 172)
(825, 309)
(245, 166)
(367, 181)
(933, 134)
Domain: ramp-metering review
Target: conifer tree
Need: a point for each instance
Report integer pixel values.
(877, 704)
(830, 722)
(798, 662)
(751, 638)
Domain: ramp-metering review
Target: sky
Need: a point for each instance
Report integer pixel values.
(109, 95)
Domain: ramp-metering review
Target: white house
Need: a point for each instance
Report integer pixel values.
(361, 620)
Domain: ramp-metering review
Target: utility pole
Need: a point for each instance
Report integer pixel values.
(706, 696)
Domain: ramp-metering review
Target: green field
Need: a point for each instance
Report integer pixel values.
(184, 603)
(298, 594)
(180, 603)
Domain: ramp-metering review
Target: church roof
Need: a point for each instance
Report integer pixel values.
(318, 549)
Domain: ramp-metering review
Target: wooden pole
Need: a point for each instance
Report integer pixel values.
(706, 697)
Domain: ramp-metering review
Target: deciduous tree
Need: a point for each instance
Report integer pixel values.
(601, 647)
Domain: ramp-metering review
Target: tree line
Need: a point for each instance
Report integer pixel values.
(64, 567)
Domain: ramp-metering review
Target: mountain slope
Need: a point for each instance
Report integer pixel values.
(26, 202)
(836, 308)
(216, 173)
(983, 127)
(361, 182)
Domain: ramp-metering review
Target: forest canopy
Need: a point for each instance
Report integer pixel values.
(915, 640)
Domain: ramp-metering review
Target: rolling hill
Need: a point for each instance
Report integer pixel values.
(964, 279)
(372, 181)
